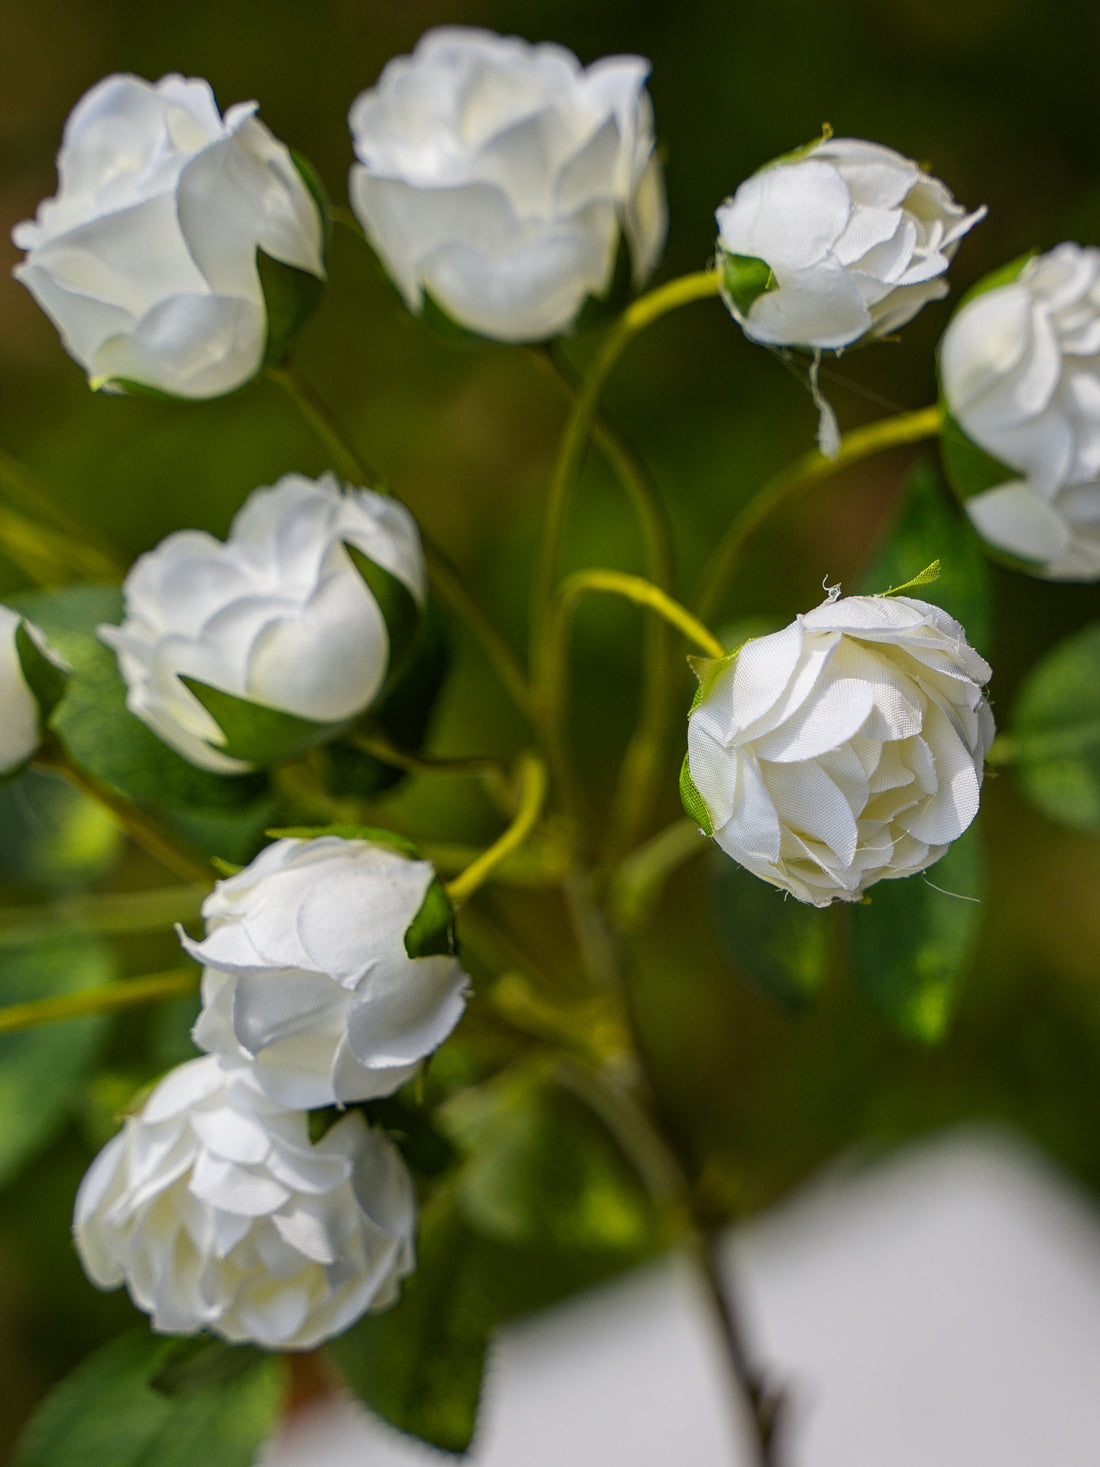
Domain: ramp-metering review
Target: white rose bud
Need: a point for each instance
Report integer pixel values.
(1020, 371)
(146, 260)
(843, 750)
(32, 680)
(278, 616)
(840, 241)
(329, 967)
(499, 177)
(217, 1213)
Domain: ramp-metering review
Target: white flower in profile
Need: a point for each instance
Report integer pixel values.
(277, 615)
(1020, 371)
(217, 1213)
(844, 750)
(25, 701)
(145, 260)
(840, 241)
(330, 968)
(499, 178)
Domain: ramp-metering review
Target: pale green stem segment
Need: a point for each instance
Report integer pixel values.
(351, 465)
(109, 999)
(52, 536)
(108, 915)
(142, 829)
(803, 474)
(378, 747)
(640, 314)
(532, 782)
(639, 878)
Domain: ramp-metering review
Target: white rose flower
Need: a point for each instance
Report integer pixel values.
(217, 1213)
(277, 615)
(498, 177)
(309, 975)
(1020, 370)
(145, 260)
(843, 750)
(27, 701)
(842, 240)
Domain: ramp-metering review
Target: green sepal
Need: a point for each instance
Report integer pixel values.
(803, 151)
(256, 733)
(745, 279)
(129, 388)
(437, 318)
(320, 195)
(926, 577)
(1003, 275)
(598, 311)
(46, 680)
(401, 611)
(202, 1362)
(694, 804)
(376, 836)
(970, 469)
(432, 931)
(412, 1129)
(290, 298)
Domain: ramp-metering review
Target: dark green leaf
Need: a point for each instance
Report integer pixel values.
(412, 1129)
(256, 733)
(400, 609)
(290, 297)
(912, 943)
(108, 1413)
(745, 279)
(43, 1069)
(95, 725)
(420, 1364)
(542, 1168)
(1054, 732)
(432, 930)
(44, 678)
(782, 944)
(204, 1362)
(930, 526)
(693, 802)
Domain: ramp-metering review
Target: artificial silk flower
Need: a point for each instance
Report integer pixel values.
(277, 615)
(32, 677)
(146, 259)
(841, 241)
(1020, 373)
(844, 750)
(217, 1213)
(329, 967)
(499, 179)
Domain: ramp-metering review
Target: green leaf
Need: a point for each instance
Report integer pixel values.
(913, 943)
(782, 944)
(373, 833)
(542, 1168)
(45, 679)
(400, 609)
(930, 526)
(432, 930)
(290, 297)
(412, 1129)
(256, 733)
(1054, 732)
(420, 1364)
(693, 802)
(202, 1362)
(97, 728)
(745, 279)
(108, 1413)
(43, 1069)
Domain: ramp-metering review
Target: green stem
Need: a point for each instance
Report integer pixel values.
(111, 998)
(803, 474)
(639, 878)
(350, 463)
(379, 747)
(108, 915)
(532, 795)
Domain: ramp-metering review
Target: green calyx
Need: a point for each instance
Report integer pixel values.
(256, 733)
(45, 678)
(693, 802)
(744, 280)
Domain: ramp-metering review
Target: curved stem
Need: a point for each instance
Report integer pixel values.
(109, 999)
(379, 747)
(349, 462)
(803, 474)
(532, 795)
(639, 878)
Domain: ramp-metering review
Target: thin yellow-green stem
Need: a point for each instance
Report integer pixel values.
(803, 474)
(349, 461)
(639, 878)
(107, 914)
(532, 781)
(110, 998)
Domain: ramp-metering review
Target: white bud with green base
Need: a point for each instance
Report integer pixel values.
(32, 681)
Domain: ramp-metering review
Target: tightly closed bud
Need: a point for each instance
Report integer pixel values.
(843, 750)
(147, 259)
(217, 1213)
(498, 178)
(330, 967)
(278, 617)
(32, 680)
(1020, 371)
(840, 241)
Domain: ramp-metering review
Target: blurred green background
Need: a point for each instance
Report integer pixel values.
(998, 96)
